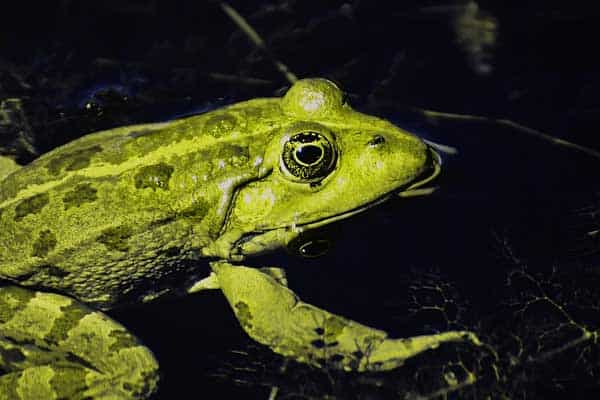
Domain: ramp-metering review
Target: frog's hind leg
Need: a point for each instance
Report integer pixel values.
(273, 315)
(53, 347)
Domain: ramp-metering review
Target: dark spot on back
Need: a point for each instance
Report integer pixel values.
(147, 140)
(31, 205)
(71, 315)
(154, 176)
(116, 238)
(122, 339)
(83, 193)
(45, 243)
(220, 125)
(233, 154)
(12, 300)
(72, 161)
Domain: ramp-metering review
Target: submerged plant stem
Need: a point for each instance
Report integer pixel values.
(257, 41)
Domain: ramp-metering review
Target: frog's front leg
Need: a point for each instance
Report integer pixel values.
(273, 315)
(53, 347)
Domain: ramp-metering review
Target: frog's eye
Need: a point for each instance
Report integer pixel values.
(308, 157)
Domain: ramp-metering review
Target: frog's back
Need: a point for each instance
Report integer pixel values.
(108, 210)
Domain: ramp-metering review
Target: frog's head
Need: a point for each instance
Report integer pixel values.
(327, 162)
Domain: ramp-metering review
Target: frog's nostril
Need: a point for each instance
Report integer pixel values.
(377, 140)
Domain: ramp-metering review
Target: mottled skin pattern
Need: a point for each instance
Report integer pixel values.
(134, 213)
(100, 216)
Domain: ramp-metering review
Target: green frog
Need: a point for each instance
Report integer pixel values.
(135, 213)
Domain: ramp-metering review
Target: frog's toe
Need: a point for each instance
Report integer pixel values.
(391, 353)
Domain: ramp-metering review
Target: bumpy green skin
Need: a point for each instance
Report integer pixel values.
(54, 347)
(131, 214)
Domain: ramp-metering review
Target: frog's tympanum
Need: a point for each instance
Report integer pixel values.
(138, 212)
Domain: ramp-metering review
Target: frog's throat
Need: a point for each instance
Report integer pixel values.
(263, 241)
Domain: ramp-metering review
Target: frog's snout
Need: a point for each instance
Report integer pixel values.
(432, 168)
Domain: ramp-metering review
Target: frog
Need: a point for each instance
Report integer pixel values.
(136, 213)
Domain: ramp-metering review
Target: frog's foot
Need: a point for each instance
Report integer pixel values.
(235, 244)
(273, 315)
(53, 347)
(224, 246)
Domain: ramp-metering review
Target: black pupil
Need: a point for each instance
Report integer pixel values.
(309, 154)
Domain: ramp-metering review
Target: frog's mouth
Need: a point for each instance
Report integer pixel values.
(412, 189)
(429, 174)
(260, 241)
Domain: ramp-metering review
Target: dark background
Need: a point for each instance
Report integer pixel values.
(507, 247)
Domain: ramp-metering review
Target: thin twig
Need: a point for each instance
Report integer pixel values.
(511, 124)
(257, 41)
